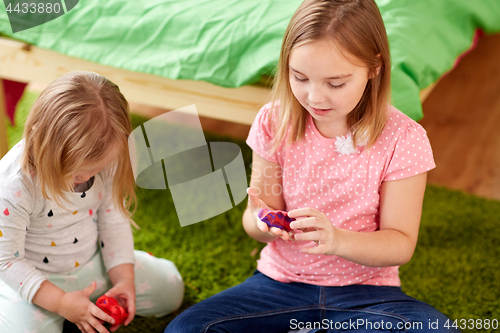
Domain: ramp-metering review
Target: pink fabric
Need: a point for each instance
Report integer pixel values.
(344, 187)
(477, 35)
(13, 91)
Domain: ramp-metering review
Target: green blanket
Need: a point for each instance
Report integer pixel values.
(233, 43)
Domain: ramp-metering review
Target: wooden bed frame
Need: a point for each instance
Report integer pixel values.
(26, 63)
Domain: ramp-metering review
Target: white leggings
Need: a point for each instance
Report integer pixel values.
(159, 291)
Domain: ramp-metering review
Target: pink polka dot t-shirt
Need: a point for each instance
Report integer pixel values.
(342, 183)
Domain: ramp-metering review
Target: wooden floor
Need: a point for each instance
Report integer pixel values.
(462, 119)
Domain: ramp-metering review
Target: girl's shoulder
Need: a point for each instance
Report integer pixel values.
(397, 117)
(405, 147)
(266, 119)
(12, 178)
(400, 125)
(268, 113)
(9, 164)
(106, 176)
(262, 132)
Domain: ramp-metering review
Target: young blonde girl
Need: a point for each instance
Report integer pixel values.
(350, 168)
(65, 234)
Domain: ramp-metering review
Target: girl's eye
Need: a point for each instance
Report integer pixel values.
(299, 79)
(336, 86)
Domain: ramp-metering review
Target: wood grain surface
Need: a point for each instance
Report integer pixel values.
(462, 119)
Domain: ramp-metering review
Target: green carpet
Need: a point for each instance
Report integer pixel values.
(455, 266)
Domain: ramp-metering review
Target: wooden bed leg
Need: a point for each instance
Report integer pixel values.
(4, 145)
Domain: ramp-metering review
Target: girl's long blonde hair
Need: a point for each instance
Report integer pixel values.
(76, 121)
(357, 27)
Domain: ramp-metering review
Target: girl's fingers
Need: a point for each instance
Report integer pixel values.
(98, 326)
(308, 222)
(110, 293)
(281, 233)
(80, 327)
(114, 328)
(90, 289)
(308, 236)
(265, 228)
(99, 314)
(131, 313)
(320, 249)
(253, 198)
(87, 328)
(256, 204)
(262, 226)
(285, 236)
(304, 212)
(275, 231)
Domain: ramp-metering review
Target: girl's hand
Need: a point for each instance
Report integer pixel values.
(77, 308)
(124, 292)
(315, 227)
(255, 205)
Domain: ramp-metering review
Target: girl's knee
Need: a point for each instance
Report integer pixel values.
(168, 296)
(178, 325)
(186, 321)
(159, 286)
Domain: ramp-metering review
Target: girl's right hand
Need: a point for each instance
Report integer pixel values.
(78, 309)
(255, 205)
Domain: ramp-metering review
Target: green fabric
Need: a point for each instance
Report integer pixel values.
(226, 42)
(426, 37)
(232, 43)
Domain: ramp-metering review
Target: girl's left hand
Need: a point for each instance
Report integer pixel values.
(124, 292)
(315, 227)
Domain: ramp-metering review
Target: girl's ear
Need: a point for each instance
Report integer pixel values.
(374, 72)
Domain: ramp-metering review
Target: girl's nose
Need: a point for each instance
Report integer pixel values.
(316, 96)
(85, 177)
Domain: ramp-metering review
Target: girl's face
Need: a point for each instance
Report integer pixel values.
(90, 170)
(326, 84)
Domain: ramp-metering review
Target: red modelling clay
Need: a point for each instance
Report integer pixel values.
(276, 218)
(112, 308)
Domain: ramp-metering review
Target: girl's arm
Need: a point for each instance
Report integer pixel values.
(117, 249)
(123, 279)
(265, 191)
(392, 245)
(121, 273)
(115, 233)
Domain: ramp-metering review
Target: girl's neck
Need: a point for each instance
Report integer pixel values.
(85, 186)
(332, 130)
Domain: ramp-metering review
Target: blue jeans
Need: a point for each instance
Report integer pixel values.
(261, 304)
